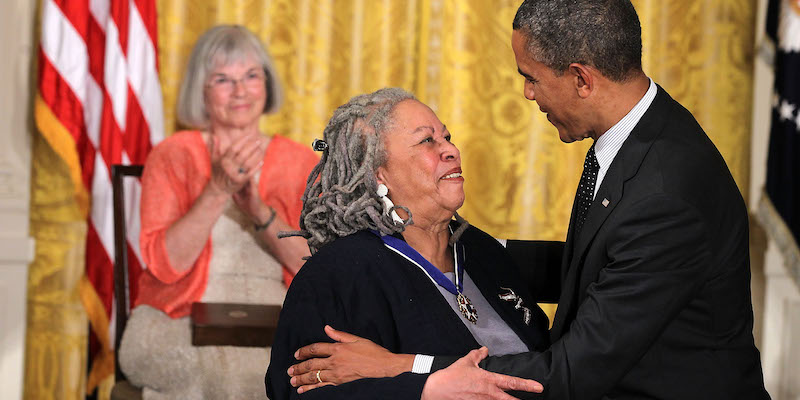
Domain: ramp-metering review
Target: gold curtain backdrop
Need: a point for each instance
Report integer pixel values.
(455, 55)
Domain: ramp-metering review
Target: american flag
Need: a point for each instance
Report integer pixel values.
(780, 208)
(99, 103)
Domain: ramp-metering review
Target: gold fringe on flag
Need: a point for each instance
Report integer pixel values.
(103, 363)
(62, 142)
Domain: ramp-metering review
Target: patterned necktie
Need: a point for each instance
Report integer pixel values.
(585, 195)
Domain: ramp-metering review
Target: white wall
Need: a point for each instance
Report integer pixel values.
(780, 348)
(16, 247)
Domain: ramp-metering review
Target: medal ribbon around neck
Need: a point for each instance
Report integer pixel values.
(464, 304)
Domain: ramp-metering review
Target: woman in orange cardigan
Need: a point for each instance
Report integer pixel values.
(213, 200)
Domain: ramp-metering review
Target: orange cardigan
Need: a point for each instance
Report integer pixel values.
(174, 175)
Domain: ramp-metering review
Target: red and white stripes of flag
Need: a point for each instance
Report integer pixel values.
(100, 103)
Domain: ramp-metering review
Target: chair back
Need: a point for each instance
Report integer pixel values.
(121, 287)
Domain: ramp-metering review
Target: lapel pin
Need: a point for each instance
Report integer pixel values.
(512, 297)
(605, 202)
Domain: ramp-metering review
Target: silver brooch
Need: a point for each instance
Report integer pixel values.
(511, 296)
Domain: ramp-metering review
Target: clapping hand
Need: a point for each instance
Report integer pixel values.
(248, 200)
(234, 165)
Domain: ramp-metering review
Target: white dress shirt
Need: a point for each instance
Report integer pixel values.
(609, 143)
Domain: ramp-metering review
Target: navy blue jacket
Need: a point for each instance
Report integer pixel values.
(357, 285)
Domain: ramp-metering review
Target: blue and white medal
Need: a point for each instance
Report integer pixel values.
(467, 309)
(464, 304)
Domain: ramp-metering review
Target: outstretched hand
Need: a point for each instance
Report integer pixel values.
(350, 358)
(465, 380)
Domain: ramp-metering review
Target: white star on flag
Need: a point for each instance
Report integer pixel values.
(786, 111)
(789, 27)
(797, 122)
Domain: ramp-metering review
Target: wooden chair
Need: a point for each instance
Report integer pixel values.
(213, 324)
(122, 389)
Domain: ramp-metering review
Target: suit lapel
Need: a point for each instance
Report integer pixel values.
(625, 165)
(610, 192)
(569, 245)
(567, 280)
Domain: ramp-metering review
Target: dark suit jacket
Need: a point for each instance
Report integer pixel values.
(655, 294)
(358, 285)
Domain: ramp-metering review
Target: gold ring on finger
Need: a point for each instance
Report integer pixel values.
(319, 380)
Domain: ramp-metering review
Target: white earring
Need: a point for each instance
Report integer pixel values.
(382, 191)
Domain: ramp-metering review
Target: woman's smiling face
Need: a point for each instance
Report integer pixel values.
(423, 167)
(236, 94)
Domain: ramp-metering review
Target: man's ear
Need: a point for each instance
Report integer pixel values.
(584, 78)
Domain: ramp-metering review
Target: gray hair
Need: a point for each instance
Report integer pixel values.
(340, 196)
(222, 45)
(602, 33)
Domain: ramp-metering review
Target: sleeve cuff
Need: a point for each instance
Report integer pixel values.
(422, 364)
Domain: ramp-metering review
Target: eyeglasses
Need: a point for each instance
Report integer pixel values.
(225, 84)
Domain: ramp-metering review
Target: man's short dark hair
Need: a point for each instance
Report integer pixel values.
(602, 33)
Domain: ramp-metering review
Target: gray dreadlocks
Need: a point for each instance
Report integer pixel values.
(340, 196)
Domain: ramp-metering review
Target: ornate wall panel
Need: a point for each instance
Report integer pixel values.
(325, 51)
(514, 164)
(702, 53)
(456, 56)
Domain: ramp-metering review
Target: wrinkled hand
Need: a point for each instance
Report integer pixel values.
(351, 358)
(465, 380)
(233, 166)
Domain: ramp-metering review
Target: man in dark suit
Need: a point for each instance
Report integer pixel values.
(655, 292)
(655, 277)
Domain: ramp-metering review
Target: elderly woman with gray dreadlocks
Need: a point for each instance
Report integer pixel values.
(392, 261)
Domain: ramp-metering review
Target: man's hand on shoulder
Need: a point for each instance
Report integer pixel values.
(465, 380)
